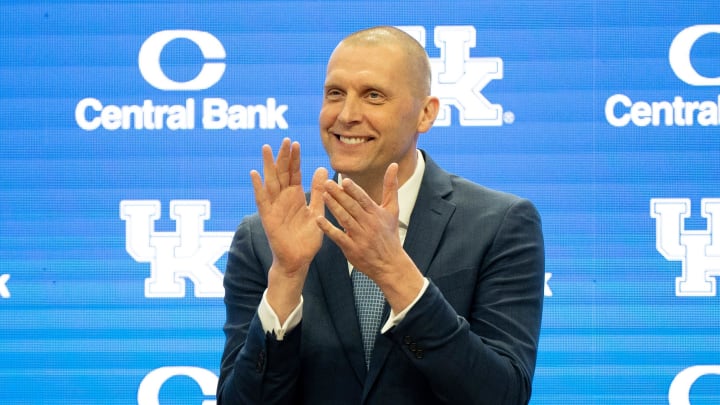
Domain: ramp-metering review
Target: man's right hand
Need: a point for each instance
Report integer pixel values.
(289, 222)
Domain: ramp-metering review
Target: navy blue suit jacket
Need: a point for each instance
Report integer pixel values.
(470, 339)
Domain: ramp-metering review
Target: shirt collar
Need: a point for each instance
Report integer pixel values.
(408, 192)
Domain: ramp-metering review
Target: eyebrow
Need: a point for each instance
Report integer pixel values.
(364, 86)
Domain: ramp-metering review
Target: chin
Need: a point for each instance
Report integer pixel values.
(346, 169)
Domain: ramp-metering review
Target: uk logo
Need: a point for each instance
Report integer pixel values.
(458, 79)
(188, 253)
(4, 292)
(697, 250)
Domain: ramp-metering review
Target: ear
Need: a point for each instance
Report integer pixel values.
(431, 107)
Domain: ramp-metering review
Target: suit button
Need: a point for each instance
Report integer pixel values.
(419, 354)
(413, 347)
(407, 340)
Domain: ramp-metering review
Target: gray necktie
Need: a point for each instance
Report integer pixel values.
(369, 302)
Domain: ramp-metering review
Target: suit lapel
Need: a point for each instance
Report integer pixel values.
(338, 290)
(428, 221)
(430, 216)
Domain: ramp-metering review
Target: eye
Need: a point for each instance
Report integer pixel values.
(333, 94)
(375, 96)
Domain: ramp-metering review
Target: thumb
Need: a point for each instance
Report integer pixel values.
(390, 189)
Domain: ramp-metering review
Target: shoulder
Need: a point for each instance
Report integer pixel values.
(467, 189)
(466, 194)
(249, 232)
(489, 208)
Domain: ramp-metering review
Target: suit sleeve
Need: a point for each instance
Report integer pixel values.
(489, 356)
(256, 368)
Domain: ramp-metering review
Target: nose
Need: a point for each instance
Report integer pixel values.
(351, 110)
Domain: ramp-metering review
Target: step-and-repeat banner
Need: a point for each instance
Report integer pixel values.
(128, 130)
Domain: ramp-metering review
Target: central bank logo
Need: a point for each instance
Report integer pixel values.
(682, 384)
(189, 253)
(679, 55)
(215, 113)
(697, 250)
(152, 71)
(458, 78)
(151, 386)
(621, 110)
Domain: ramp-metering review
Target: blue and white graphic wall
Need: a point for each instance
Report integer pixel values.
(128, 129)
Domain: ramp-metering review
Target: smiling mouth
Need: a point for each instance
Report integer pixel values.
(352, 140)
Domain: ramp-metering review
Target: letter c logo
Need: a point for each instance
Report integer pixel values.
(149, 60)
(679, 55)
(149, 390)
(679, 393)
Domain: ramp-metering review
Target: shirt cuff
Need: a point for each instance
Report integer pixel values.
(270, 321)
(395, 319)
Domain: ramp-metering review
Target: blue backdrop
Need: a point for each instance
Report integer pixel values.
(128, 129)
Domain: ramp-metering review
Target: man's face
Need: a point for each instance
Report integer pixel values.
(371, 112)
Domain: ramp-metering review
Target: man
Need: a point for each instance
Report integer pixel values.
(461, 267)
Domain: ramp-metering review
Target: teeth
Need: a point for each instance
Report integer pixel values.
(351, 141)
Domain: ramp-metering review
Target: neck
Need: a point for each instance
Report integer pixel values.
(372, 183)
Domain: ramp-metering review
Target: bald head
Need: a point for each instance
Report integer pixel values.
(416, 59)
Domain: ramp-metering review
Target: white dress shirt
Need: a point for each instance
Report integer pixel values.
(407, 195)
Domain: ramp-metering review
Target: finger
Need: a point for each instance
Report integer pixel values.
(350, 206)
(283, 163)
(343, 216)
(358, 195)
(295, 175)
(270, 171)
(259, 191)
(316, 191)
(390, 190)
(336, 235)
